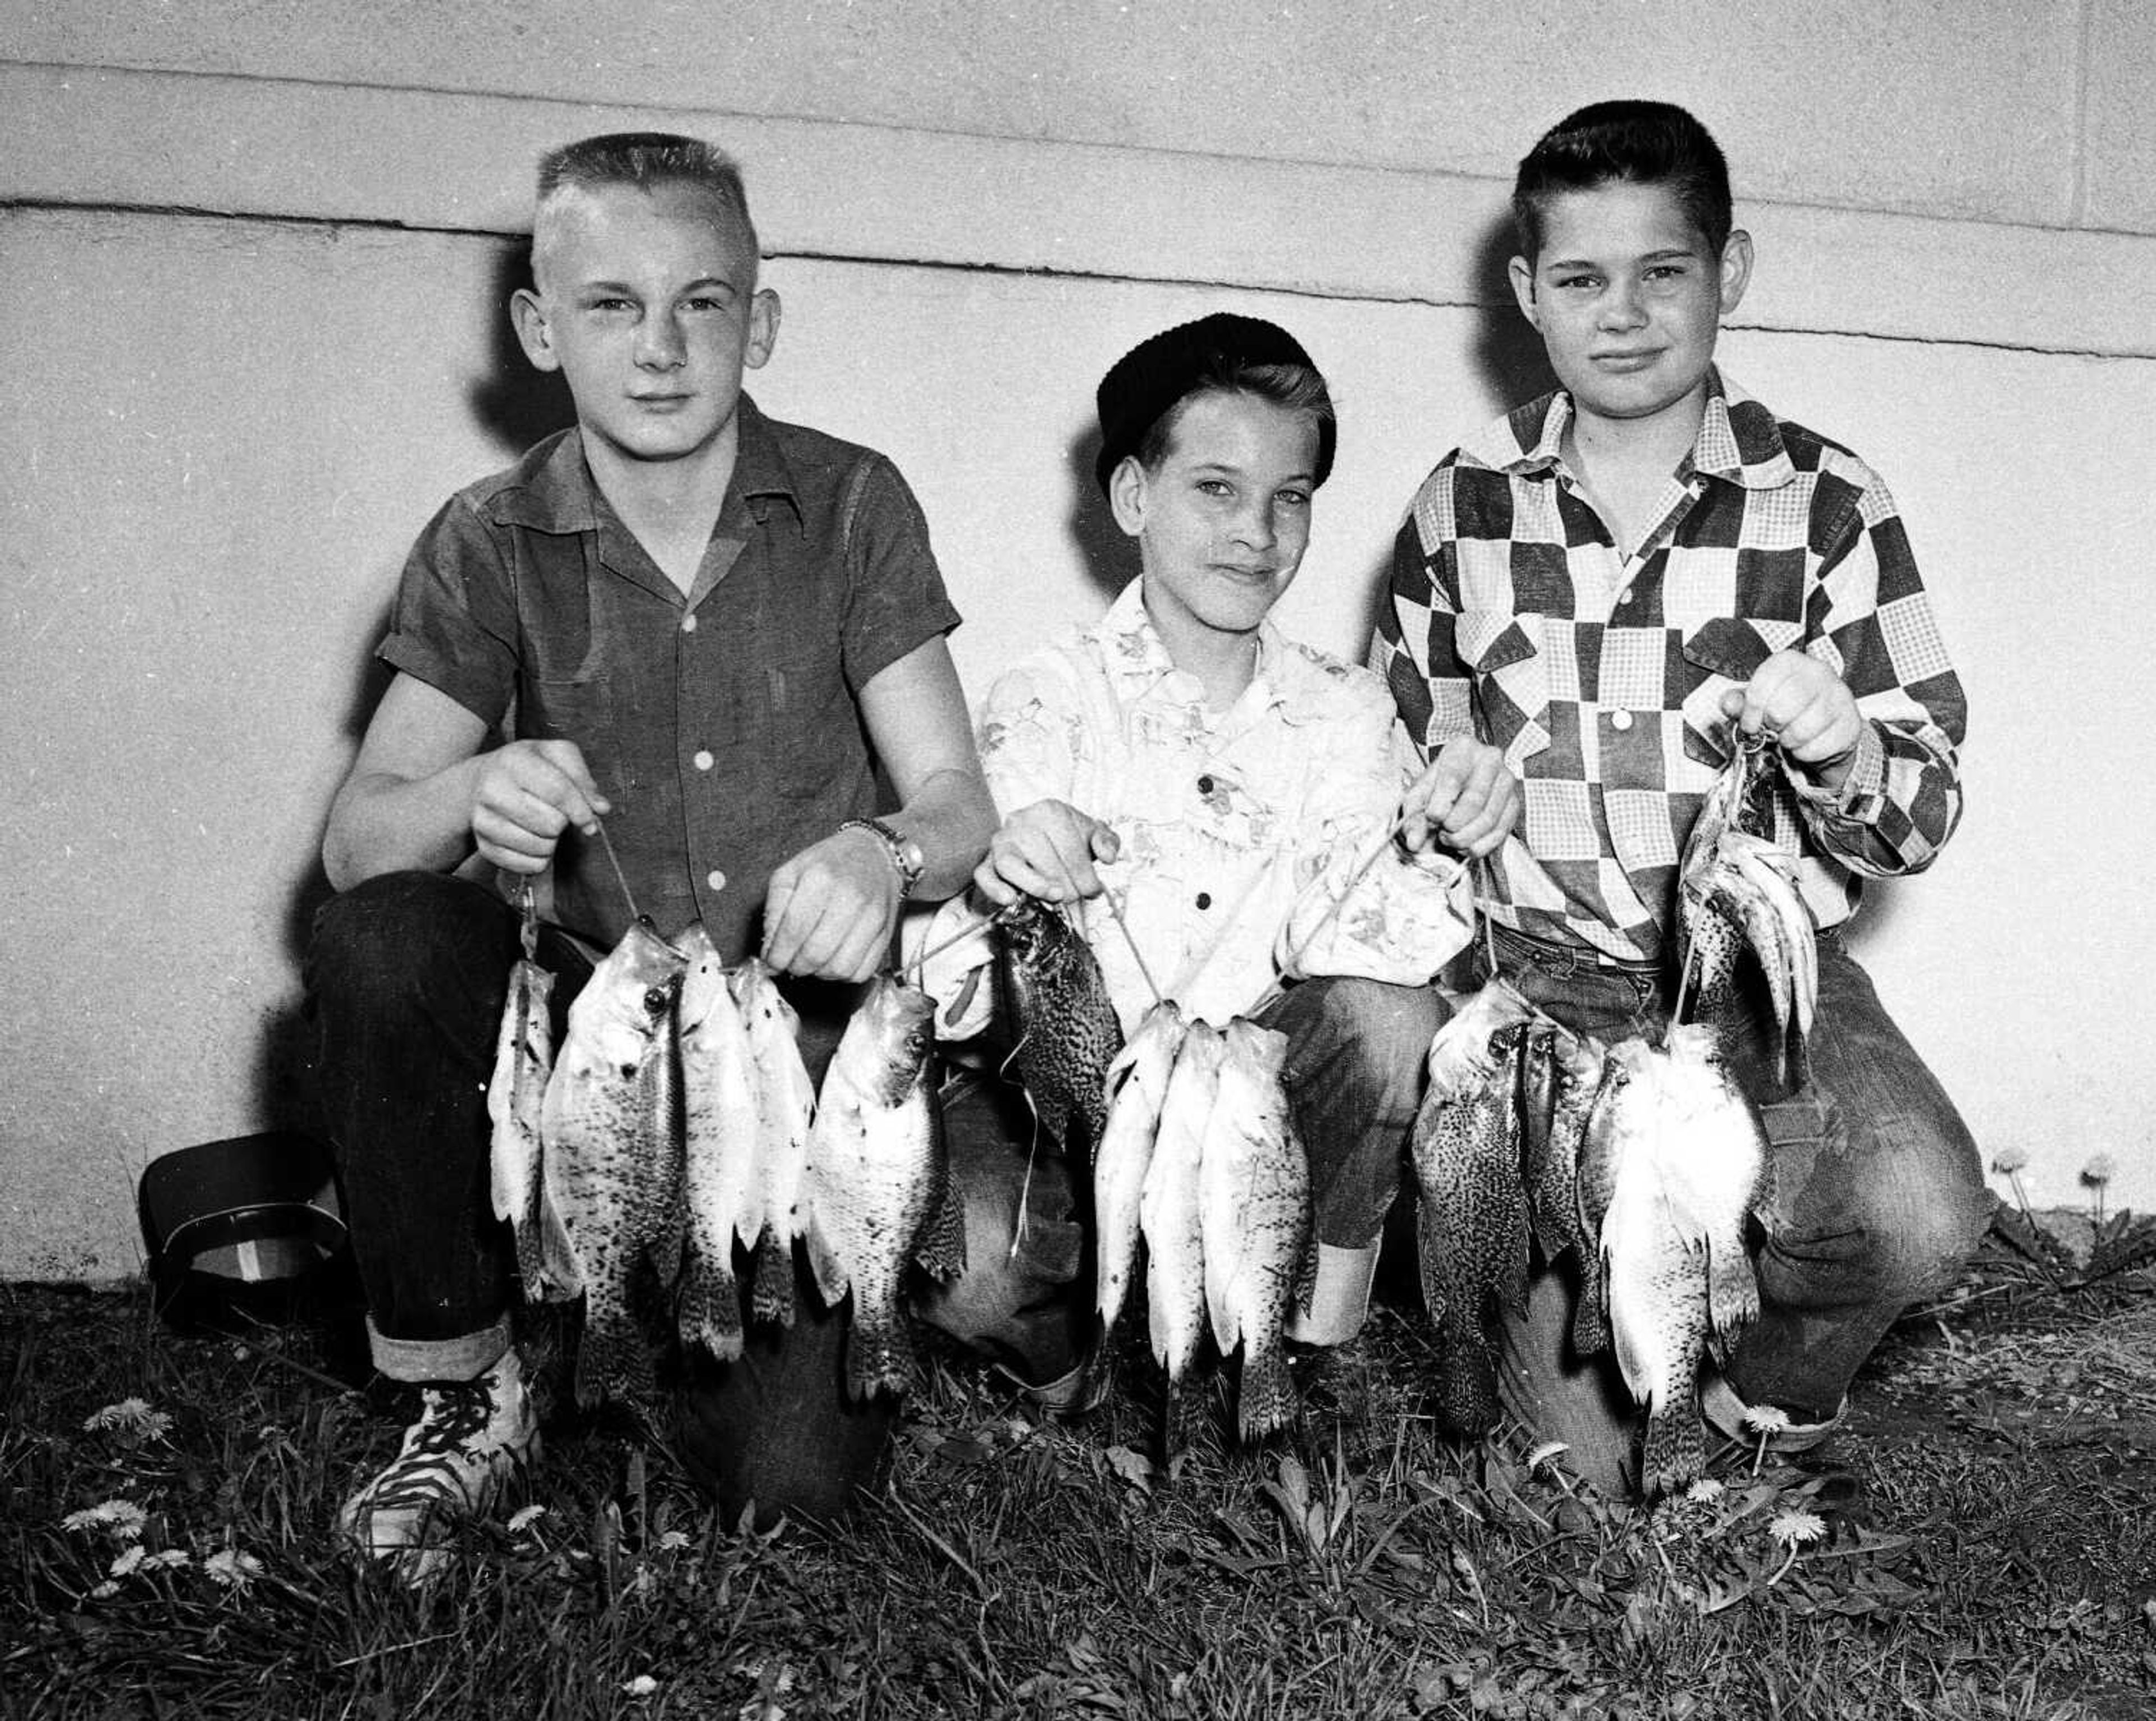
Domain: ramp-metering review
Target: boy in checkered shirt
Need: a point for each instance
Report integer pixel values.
(1609, 584)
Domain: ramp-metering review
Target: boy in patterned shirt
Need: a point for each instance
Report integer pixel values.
(1609, 585)
(1183, 765)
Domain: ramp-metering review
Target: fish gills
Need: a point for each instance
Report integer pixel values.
(613, 1168)
(516, 1099)
(1253, 1203)
(1169, 1216)
(785, 1104)
(1137, 1088)
(720, 1142)
(876, 1179)
(1472, 1211)
(1067, 1029)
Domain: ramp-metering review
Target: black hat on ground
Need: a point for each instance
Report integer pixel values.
(1150, 379)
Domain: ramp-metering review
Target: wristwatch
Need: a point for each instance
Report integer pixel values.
(906, 854)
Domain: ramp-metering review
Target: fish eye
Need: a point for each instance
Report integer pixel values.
(656, 1000)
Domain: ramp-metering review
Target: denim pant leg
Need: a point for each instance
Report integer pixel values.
(405, 974)
(1024, 1300)
(1878, 1197)
(1358, 1063)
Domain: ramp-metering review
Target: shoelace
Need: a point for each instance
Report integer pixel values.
(426, 1471)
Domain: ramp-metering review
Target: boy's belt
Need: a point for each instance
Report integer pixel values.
(1569, 958)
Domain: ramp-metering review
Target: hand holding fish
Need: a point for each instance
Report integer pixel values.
(1046, 851)
(1467, 799)
(1808, 708)
(830, 909)
(525, 796)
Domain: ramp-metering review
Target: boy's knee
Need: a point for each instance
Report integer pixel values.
(1385, 1028)
(374, 941)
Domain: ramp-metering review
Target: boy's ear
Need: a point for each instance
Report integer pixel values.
(533, 334)
(1521, 274)
(1735, 268)
(1127, 494)
(764, 310)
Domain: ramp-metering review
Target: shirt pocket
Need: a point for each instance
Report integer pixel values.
(1511, 678)
(1721, 654)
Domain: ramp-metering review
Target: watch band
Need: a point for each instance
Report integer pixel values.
(905, 855)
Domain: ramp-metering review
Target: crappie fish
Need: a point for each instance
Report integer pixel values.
(785, 1103)
(721, 1142)
(1473, 1209)
(1169, 1211)
(877, 1183)
(515, 1095)
(1688, 1154)
(1254, 1200)
(1067, 1030)
(1137, 1088)
(1557, 1072)
(612, 1170)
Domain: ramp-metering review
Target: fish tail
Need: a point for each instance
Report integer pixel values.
(879, 1353)
(1466, 1398)
(941, 1247)
(709, 1314)
(772, 1299)
(612, 1361)
(1674, 1455)
(1265, 1399)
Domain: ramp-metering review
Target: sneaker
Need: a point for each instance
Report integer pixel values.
(1074, 1394)
(472, 1437)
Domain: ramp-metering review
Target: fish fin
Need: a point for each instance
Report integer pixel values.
(560, 1274)
(772, 1299)
(940, 1250)
(879, 1353)
(826, 1265)
(1430, 1254)
(709, 1314)
(1732, 1288)
(1466, 1397)
(1590, 1318)
(1306, 1274)
(1674, 1454)
(1265, 1397)
(613, 1362)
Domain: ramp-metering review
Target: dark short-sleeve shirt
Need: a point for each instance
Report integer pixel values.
(723, 726)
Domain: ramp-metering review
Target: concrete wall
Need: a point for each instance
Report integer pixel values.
(257, 256)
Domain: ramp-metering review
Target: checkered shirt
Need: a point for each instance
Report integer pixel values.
(1513, 615)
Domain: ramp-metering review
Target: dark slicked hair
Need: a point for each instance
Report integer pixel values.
(1295, 388)
(647, 160)
(1638, 142)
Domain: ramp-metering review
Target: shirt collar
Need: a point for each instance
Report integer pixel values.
(1738, 440)
(1139, 665)
(551, 489)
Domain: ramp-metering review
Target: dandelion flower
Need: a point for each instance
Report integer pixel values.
(1766, 1420)
(1793, 1530)
(1543, 1453)
(674, 1541)
(125, 1561)
(122, 1519)
(2009, 1159)
(2099, 1168)
(129, 1416)
(233, 1568)
(642, 1685)
(167, 1559)
(524, 1517)
(1705, 1492)
(104, 1591)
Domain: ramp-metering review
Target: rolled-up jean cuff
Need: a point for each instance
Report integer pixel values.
(1340, 1300)
(420, 1359)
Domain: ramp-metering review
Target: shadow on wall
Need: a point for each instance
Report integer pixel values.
(516, 406)
(1110, 559)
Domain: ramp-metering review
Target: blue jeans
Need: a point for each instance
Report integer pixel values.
(1878, 1197)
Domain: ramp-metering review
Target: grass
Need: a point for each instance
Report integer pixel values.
(1016, 1567)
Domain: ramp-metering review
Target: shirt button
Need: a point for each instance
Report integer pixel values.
(702, 762)
(716, 879)
(689, 623)
(1204, 787)
(1620, 719)
(1204, 898)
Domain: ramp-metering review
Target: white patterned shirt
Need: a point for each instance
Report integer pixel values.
(1238, 828)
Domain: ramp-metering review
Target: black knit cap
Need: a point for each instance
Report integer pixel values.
(1152, 377)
